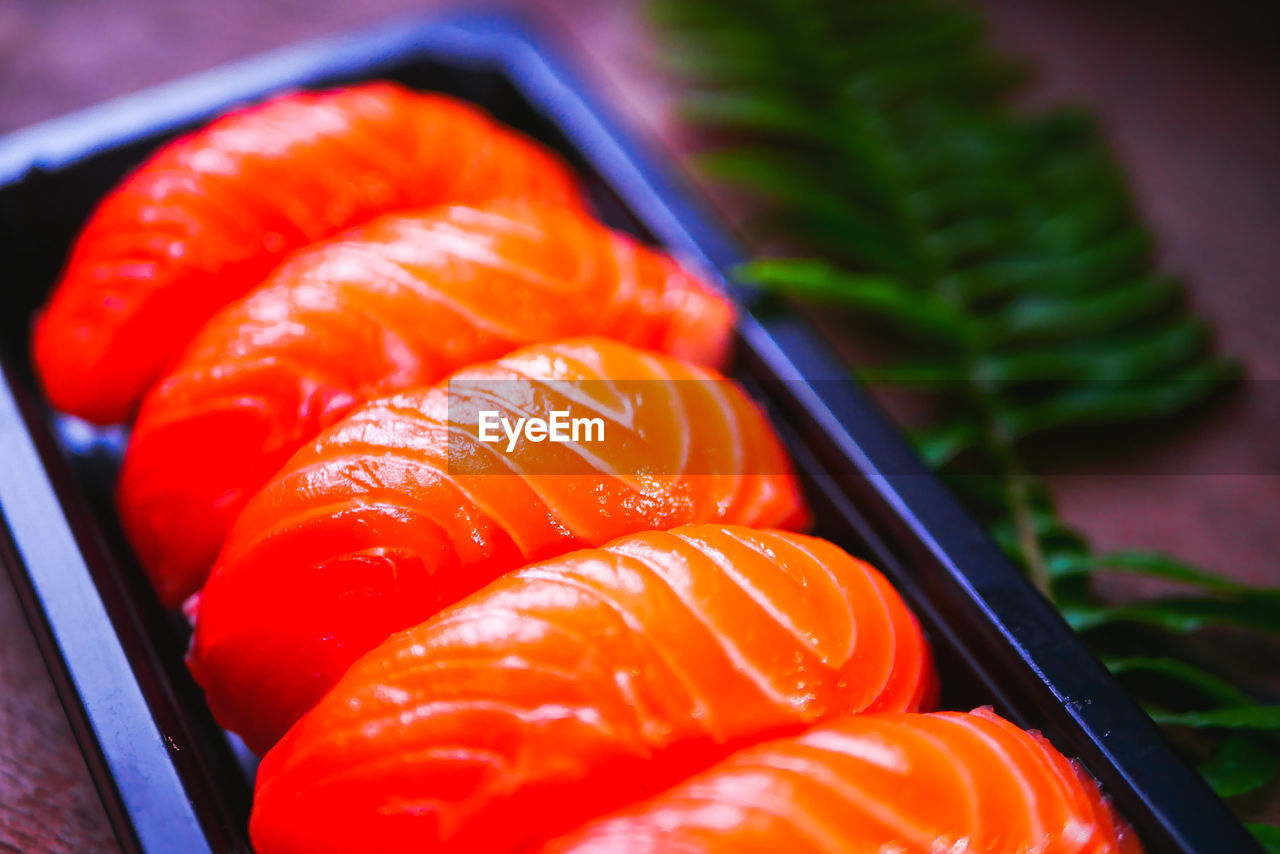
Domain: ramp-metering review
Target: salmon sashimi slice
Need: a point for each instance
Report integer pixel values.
(589, 681)
(400, 509)
(209, 215)
(944, 783)
(396, 303)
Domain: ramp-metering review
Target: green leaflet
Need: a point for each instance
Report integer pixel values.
(877, 137)
(1183, 613)
(942, 443)
(1151, 564)
(1240, 766)
(1268, 835)
(1186, 675)
(1231, 717)
(923, 313)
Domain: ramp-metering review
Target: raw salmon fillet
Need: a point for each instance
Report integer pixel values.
(570, 687)
(386, 518)
(209, 215)
(396, 303)
(945, 783)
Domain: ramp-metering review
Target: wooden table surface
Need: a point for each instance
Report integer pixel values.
(1189, 93)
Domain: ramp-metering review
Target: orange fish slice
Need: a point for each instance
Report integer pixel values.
(205, 218)
(572, 686)
(386, 517)
(945, 783)
(396, 303)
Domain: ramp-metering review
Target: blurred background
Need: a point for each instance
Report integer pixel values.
(1188, 95)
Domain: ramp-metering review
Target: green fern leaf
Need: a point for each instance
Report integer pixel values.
(877, 136)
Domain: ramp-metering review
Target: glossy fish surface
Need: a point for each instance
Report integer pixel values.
(944, 783)
(208, 216)
(399, 510)
(572, 686)
(399, 302)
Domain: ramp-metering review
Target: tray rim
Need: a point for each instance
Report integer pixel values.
(1158, 792)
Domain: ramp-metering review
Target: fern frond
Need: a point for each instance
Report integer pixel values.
(877, 135)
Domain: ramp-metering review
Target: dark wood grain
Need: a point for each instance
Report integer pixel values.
(1188, 93)
(46, 800)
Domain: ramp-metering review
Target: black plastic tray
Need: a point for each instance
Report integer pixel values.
(171, 779)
